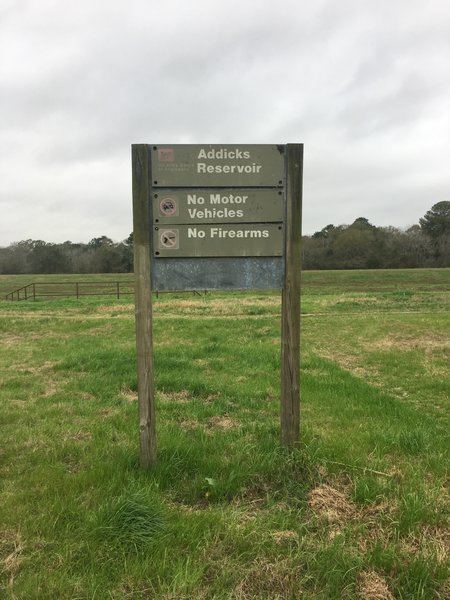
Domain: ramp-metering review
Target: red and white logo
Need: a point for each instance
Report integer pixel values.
(166, 154)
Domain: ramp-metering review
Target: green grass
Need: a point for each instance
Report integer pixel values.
(226, 512)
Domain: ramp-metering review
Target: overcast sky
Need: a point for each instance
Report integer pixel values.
(364, 84)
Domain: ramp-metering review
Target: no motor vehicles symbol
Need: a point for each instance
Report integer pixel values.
(168, 207)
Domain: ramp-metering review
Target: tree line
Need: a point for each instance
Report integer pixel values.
(360, 245)
(100, 255)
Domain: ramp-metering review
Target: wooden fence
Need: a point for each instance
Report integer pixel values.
(77, 289)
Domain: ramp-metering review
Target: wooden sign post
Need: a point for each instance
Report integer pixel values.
(143, 305)
(217, 217)
(290, 305)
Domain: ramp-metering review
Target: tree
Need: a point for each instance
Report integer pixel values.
(101, 241)
(362, 223)
(436, 221)
(325, 232)
(355, 248)
(48, 258)
(14, 259)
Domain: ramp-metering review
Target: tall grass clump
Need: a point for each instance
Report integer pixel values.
(131, 521)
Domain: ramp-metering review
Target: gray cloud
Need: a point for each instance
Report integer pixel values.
(364, 85)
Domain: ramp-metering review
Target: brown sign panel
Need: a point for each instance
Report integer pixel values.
(218, 240)
(209, 205)
(228, 165)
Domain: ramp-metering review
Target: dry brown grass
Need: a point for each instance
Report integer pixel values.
(210, 308)
(108, 412)
(11, 549)
(222, 422)
(331, 505)
(181, 397)
(285, 537)
(430, 543)
(77, 436)
(435, 342)
(129, 395)
(116, 309)
(188, 424)
(337, 511)
(276, 579)
(372, 586)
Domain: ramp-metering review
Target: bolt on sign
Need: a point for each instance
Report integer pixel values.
(210, 216)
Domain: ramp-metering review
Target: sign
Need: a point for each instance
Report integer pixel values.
(218, 240)
(217, 201)
(219, 205)
(183, 165)
(217, 217)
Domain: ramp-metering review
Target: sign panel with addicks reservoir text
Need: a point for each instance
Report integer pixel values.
(184, 165)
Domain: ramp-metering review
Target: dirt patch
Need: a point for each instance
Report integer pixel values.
(371, 586)
(332, 505)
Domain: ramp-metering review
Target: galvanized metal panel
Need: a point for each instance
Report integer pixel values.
(178, 274)
(218, 240)
(206, 205)
(228, 165)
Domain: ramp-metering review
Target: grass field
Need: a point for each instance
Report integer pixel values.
(359, 511)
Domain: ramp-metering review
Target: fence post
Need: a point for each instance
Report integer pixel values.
(34, 291)
(118, 289)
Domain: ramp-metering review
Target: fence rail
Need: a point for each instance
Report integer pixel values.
(76, 289)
